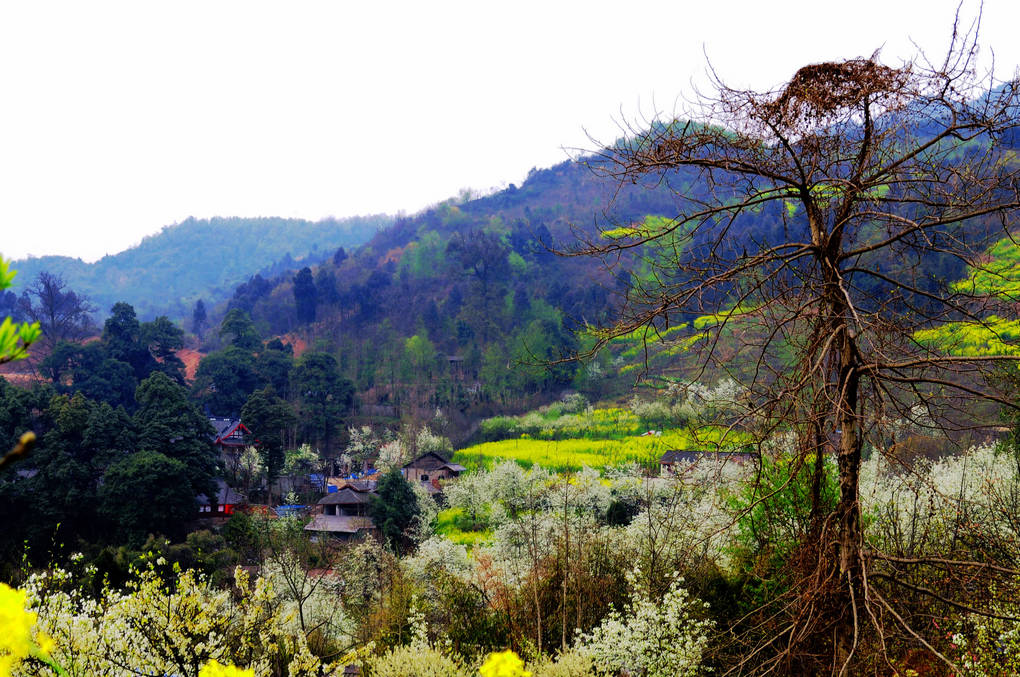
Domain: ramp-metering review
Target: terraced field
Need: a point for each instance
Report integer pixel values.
(598, 438)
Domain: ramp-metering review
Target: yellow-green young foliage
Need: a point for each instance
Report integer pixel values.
(14, 338)
(831, 193)
(647, 347)
(651, 226)
(707, 321)
(419, 660)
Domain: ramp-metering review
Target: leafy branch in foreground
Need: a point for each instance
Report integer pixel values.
(15, 338)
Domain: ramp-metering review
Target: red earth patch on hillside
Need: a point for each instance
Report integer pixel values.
(21, 378)
(190, 358)
(299, 345)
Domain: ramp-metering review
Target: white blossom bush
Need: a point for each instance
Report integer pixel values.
(427, 441)
(422, 526)
(654, 638)
(652, 411)
(438, 553)
(169, 627)
(304, 459)
(363, 444)
(308, 599)
(588, 492)
(514, 490)
(471, 494)
(925, 508)
(696, 402)
(518, 544)
(392, 454)
(684, 518)
(682, 528)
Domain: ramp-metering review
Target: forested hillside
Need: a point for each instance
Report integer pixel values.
(199, 258)
(477, 301)
(464, 303)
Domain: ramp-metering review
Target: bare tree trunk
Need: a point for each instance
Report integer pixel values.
(850, 586)
(817, 509)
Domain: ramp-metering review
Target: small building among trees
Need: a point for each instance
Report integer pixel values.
(429, 468)
(344, 513)
(231, 435)
(227, 500)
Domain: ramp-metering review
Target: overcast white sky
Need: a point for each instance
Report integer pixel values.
(118, 118)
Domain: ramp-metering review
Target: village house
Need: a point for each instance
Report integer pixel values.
(226, 501)
(345, 513)
(230, 435)
(429, 469)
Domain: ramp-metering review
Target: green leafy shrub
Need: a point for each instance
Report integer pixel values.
(773, 513)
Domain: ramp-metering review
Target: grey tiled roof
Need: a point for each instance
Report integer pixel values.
(224, 495)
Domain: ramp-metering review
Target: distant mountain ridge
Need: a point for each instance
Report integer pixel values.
(200, 258)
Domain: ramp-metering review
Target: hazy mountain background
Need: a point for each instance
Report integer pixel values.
(199, 258)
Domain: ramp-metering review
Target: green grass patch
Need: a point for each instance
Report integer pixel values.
(455, 526)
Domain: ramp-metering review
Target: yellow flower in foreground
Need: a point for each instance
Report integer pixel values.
(46, 644)
(16, 638)
(214, 669)
(504, 664)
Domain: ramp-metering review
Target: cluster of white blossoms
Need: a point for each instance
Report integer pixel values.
(664, 638)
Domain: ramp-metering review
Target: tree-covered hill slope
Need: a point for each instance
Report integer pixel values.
(199, 258)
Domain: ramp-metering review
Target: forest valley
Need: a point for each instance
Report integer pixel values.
(759, 416)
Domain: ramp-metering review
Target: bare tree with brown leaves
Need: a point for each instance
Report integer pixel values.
(857, 188)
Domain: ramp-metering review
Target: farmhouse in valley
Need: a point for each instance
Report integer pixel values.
(345, 513)
(428, 469)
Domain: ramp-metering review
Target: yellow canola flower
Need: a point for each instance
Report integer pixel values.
(504, 664)
(46, 644)
(214, 669)
(16, 638)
